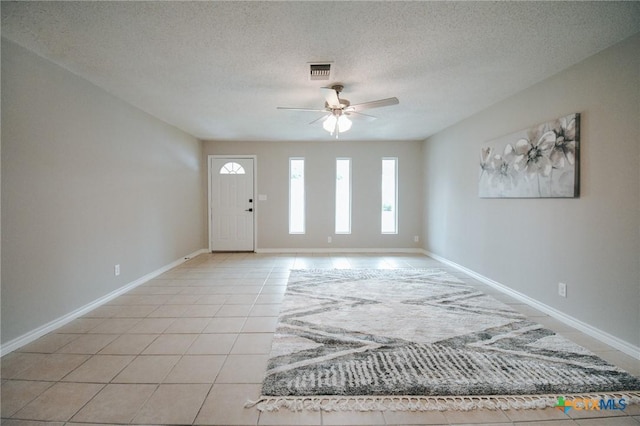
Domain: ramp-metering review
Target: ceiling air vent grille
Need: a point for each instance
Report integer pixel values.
(319, 71)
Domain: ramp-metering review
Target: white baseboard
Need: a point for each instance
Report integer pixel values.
(29, 337)
(339, 250)
(594, 332)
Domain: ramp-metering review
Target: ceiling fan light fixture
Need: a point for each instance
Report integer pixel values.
(336, 123)
(330, 123)
(344, 123)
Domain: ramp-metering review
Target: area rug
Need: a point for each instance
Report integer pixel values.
(416, 339)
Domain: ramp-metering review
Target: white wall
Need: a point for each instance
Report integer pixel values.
(88, 182)
(591, 243)
(320, 157)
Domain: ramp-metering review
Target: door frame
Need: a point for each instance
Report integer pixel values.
(210, 159)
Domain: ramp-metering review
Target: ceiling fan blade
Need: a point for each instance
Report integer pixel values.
(324, 117)
(303, 109)
(359, 115)
(375, 104)
(331, 96)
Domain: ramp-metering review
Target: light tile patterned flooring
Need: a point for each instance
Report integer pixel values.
(191, 347)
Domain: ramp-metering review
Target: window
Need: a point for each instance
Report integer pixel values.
(343, 195)
(389, 195)
(232, 168)
(296, 196)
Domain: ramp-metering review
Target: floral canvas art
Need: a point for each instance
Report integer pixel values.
(540, 162)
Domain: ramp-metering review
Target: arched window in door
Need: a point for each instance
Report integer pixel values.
(232, 168)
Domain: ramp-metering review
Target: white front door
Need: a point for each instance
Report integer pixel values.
(232, 204)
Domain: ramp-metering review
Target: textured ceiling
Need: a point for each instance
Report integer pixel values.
(218, 70)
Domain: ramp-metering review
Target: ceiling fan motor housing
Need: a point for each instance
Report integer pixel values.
(343, 102)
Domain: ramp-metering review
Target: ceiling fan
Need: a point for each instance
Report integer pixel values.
(338, 111)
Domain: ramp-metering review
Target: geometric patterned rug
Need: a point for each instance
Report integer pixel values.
(417, 339)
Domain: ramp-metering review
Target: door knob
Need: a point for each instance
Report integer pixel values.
(248, 210)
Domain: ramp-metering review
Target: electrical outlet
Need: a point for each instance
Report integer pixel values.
(328, 239)
(416, 238)
(562, 289)
(116, 270)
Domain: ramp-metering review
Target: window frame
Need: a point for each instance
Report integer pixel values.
(382, 197)
(350, 193)
(231, 169)
(304, 194)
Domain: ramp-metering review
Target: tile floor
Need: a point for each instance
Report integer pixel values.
(191, 346)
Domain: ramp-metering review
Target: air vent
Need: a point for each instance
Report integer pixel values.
(319, 71)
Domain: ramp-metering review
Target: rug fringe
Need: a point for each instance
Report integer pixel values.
(425, 403)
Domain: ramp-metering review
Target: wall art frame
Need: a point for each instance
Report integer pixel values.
(542, 161)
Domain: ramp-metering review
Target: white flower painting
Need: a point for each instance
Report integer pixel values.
(540, 162)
